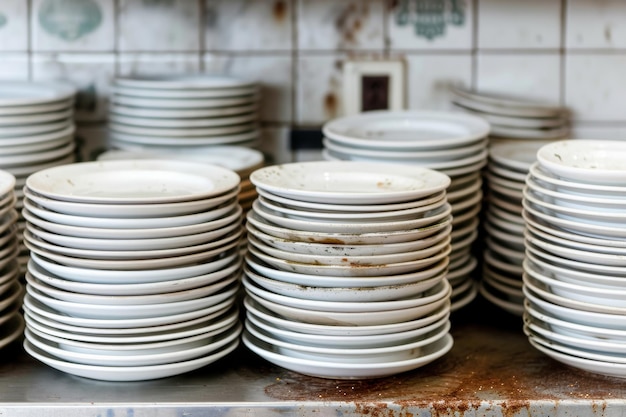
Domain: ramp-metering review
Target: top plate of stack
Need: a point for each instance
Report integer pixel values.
(514, 117)
(183, 110)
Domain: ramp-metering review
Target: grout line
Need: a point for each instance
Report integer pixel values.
(386, 33)
(29, 38)
(116, 39)
(294, 64)
(475, 22)
(201, 31)
(563, 51)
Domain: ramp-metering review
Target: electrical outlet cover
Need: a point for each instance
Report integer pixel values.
(373, 85)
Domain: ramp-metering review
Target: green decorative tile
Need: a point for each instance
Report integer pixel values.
(70, 19)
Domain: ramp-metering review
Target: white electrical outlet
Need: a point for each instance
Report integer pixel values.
(373, 85)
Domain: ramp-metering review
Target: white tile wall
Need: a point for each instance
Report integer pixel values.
(596, 24)
(84, 25)
(273, 74)
(430, 76)
(595, 86)
(569, 51)
(408, 31)
(526, 75)
(513, 24)
(13, 25)
(338, 25)
(229, 23)
(159, 25)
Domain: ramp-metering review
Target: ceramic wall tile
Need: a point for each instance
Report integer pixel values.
(13, 25)
(513, 24)
(91, 141)
(153, 63)
(73, 25)
(275, 145)
(535, 76)
(603, 131)
(436, 24)
(595, 24)
(319, 89)
(429, 76)
(308, 155)
(339, 25)
(90, 73)
(159, 25)
(274, 73)
(595, 86)
(14, 66)
(242, 25)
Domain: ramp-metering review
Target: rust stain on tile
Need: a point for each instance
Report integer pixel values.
(279, 11)
(330, 104)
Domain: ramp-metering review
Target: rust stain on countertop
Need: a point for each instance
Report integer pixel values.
(489, 363)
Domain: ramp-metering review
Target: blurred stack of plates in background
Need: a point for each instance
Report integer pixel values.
(345, 274)
(575, 270)
(240, 159)
(179, 111)
(509, 162)
(134, 267)
(11, 291)
(36, 132)
(451, 143)
(514, 117)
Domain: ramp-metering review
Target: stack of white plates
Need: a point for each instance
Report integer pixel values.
(36, 132)
(134, 267)
(11, 291)
(453, 144)
(346, 270)
(575, 270)
(509, 162)
(514, 117)
(179, 111)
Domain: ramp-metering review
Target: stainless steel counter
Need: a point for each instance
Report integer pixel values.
(491, 371)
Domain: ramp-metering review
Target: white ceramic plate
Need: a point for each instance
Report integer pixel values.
(183, 103)
(130, 142)
(346, 294)
(37, 157)
(35, 118)
(348, 371)
(345, 238)
(576, 187)
(139, 181)
(349, 183)
(512, 121)
(515, 155)
(183, 132)
(142, 288)
(11, 330)
(182, 82)
(29, 130)
(408, 130)
(134, 211)
(149, 233)
(587, 161)
(335, 329)
(190, 93)
(428, 272)
(38, 147)
(180, 113)
(67, 133)
(128, 373)
(186, 124)
(18, 93)
(236, 158)
(37, 108)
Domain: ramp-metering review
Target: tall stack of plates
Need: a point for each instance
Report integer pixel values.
(179, 111)
(134, 267)
(36, 131)
(453, 144)
(509, 162)
(345, 274)
(575, 270)
(11, 291)
(514, 117)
